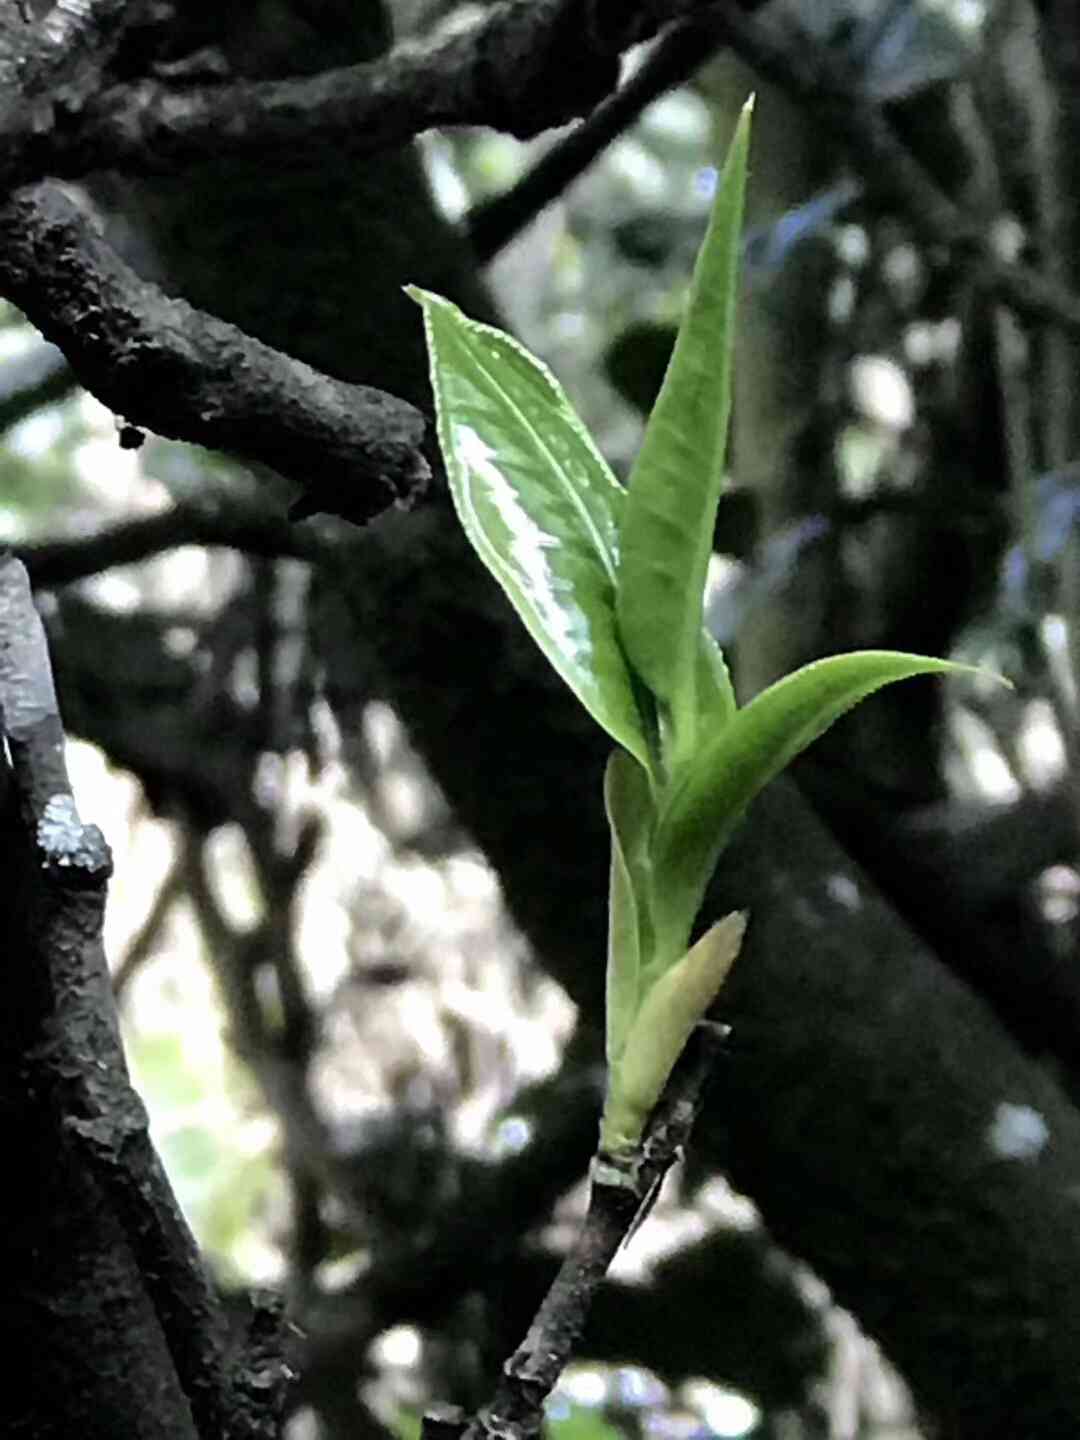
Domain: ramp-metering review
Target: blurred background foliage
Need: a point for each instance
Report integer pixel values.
(338, 1029)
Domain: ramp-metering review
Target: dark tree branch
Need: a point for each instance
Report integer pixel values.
(30, 724)
(201, 380)
(59, 562)
(520, 68)
(523, 67)
(682, 51)
(72, 1121)
(189, 376)
(562, 57)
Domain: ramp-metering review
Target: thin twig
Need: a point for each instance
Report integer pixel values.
(618, 1194)
(146, 938)
(233, 527)
(677, 55)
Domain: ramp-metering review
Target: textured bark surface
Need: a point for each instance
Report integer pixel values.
(188, 375)
(84, 1351)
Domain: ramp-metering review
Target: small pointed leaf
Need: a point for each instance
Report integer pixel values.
(741, 758)
(715, 692)
(669, 1012)
(667, 529)
(631, 815)
(538, 503)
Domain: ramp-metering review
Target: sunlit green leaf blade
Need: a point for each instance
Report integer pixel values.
(538, 503)
(669, 1011)
(740, 759)
(675, 485)
(630, 812)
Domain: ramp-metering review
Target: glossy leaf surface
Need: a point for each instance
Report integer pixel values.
(538, 503)
(675, 484)
(740, 759)
(668, 1013)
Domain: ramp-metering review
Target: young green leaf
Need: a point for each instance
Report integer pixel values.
(667, 529)
(715, 692)
(631, 815)
(740, 759)
(669, 1012)
(538, 503)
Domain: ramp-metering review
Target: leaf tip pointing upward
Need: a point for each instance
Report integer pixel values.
(675, 485)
